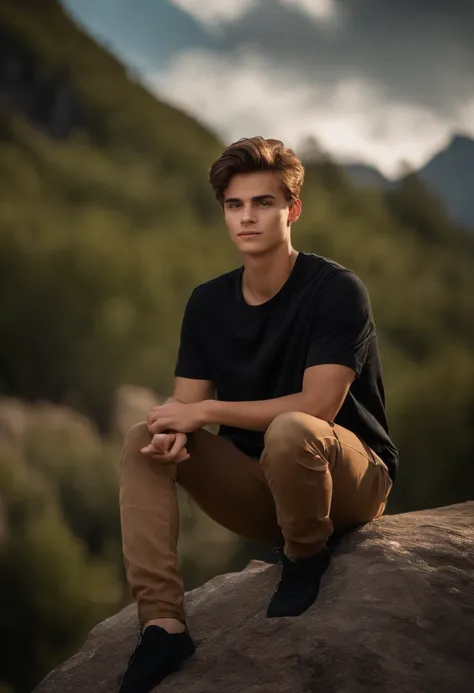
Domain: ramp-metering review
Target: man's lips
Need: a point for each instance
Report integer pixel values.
(250, 233)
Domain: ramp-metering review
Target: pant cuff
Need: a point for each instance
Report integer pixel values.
(148, 612)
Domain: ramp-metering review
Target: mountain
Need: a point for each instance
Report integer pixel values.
(449, 174)
(364, 176)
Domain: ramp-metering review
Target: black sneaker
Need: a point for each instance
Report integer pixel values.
(299, 584)
(157, 654)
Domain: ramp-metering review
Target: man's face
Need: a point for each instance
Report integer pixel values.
(257, 213)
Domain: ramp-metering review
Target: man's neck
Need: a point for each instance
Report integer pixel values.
(264, 275)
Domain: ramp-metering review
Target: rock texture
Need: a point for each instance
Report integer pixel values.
(395, 613)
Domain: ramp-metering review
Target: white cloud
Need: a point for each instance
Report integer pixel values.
(240, 97)
(466, 115)
(215, 12)
(318, 9)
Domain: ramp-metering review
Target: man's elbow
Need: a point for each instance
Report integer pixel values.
(325, 412)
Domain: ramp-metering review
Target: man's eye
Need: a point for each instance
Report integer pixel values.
(264, 203)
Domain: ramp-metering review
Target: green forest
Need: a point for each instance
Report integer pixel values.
(103, 234)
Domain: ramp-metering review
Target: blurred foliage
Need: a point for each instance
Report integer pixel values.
(57, 578)
(60, 557)
(103, 234)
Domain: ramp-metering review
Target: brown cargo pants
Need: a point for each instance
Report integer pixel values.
(313, 477)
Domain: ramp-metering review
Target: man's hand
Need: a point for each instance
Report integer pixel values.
(167, 447)
(176, 416)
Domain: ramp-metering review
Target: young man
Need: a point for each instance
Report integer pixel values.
(287, 343)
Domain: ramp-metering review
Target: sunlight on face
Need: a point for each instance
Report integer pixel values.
(257, 213)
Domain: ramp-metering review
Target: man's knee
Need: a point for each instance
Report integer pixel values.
(136, 438)
(291, 431)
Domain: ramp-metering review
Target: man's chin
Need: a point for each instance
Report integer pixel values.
(252, 245)
(253, 252)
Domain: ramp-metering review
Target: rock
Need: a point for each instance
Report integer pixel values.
(395, 613)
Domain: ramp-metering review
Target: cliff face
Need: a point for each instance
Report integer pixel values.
(395, 613)
(44, 95)
(55, 75)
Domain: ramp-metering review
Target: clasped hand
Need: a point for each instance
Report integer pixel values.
(168, 425)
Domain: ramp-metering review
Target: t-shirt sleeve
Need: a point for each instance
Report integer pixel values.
(343, 325)
(192, 361)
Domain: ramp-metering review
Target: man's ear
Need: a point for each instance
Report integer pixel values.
(294, 211)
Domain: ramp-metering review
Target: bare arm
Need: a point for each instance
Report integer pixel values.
(188, 390)
(325, 388)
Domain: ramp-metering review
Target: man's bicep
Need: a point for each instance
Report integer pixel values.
(193, 390)
(327, 386)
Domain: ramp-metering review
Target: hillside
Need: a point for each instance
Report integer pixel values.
(448, 174)
(105, 183)
(364, 176)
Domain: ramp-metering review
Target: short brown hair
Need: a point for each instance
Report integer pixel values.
(250, 154)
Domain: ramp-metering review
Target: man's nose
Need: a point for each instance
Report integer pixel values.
(248, 215)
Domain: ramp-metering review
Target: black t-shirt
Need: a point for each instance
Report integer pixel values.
(322, 314)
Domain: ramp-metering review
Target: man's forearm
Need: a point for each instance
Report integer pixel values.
(258, 415)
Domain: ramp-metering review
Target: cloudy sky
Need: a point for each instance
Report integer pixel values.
(372, 80)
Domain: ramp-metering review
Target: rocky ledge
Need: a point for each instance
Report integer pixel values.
(395, 613)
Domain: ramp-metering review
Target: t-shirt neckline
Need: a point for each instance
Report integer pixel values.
(283, 289)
